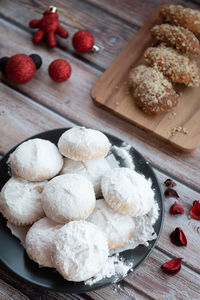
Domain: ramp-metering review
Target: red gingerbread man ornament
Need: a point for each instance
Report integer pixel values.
(48, 26)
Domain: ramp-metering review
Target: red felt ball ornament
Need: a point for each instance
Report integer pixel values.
(83, 41)
(60, 70)
(20, 68)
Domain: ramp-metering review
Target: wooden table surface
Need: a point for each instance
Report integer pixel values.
(42, 105)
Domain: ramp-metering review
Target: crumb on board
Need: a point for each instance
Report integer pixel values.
(172, 115)
(178, 129)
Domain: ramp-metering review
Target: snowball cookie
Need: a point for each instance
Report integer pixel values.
(93, 170)
(79, 250)
(68, 197)
(79, 143)
(36, 160)
(118, 228)
(20, 201)
(127, 192)
(39, 240)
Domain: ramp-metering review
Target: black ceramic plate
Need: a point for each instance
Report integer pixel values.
(13, 255)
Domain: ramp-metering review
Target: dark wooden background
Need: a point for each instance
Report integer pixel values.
(42, 104)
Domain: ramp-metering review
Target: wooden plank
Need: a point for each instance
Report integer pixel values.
(72, 100)
(111, 35)
(136, 11)
(21, 118)
(24, 118)
(190, 227)
(185, 285)
(28, 118)
(8, 292)
(110, 92)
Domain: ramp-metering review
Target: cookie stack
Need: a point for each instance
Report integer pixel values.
(171, 61)
(54, 190)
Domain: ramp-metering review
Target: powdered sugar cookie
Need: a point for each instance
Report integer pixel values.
(39, 240)
(127, 192)
(79, 250)
(20, 201)
(68, 197)
(93, 170)
(118, 228)
(80, 143)
(36, 160)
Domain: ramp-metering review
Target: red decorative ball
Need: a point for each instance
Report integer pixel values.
(20, 68)
(60, 70)
(83, 41)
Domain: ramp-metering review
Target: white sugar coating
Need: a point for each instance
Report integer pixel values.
(20, 201)
(93, 170)
(39, 240)
(19, 231)
(80, 143)
(118, 228)
(127, 192)
(36, 160)
(114, 267)
(123, 153)
(79, 250)
(68, 197)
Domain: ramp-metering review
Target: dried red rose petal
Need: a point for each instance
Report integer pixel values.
(176, 209)
(171, 193)
(170, 182)
(172, 267)
(195, 210)
(178, 237)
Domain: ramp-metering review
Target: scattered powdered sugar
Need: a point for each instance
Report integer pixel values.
(115, 266)
(19, 231)
(144, 231)
(123, 153)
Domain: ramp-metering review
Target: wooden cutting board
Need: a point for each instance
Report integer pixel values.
(111, 92)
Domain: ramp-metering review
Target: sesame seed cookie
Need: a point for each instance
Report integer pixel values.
(179, 15)
(151, 91)
(178, 37)
(80, 143)
(36, 160)
(179, 68)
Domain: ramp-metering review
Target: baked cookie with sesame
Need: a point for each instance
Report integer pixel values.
(127, 192)
(179, 68)
(178, 37)
(119, 229)
(79, 250)
(80, 143)
(36, 160)
(20, 201)
(151, 91)
(68, 197)
(179, 15)
(39, 240)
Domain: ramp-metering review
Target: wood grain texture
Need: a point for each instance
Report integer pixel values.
(190, 227)
(21, 118)
(71, 99)
(8, 292)
(22, 106)
(111, 35)
(184, 286)
(137, 12)
(111, 92)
